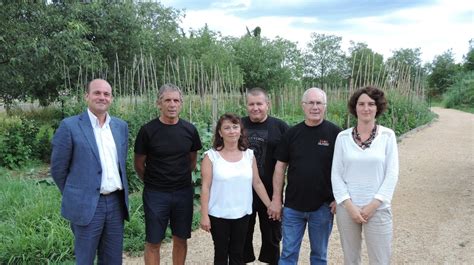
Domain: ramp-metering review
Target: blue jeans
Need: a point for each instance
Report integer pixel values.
(319, 229)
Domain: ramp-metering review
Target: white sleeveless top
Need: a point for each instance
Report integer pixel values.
(231, 188)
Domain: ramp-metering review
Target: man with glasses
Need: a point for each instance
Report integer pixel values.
(307, 150)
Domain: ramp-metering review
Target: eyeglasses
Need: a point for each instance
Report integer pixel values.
(314, 103)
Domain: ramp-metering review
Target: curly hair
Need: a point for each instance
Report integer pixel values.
(374, 93)
(218, 142)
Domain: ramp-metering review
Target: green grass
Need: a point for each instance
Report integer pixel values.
(32, 229)
(464, 108)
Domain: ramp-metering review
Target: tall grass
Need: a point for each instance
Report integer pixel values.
(34, 232)
(32, 229)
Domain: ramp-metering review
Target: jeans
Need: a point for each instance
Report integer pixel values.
(319, 229)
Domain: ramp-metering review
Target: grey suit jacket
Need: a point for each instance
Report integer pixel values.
(76, 168)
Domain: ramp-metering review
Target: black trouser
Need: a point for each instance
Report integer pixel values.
(229, 239)
(271, 237)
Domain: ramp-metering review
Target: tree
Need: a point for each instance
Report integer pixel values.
(45, 46)
(443, 72)
(323, 59)
(366, 66)
(265, 63)
(469, 57)
(406, 63)
(42, 49)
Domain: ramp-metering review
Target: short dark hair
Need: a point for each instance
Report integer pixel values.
(218, 142)
(257, 91)
(374, 93)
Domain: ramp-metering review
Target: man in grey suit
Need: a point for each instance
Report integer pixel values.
(88, 166)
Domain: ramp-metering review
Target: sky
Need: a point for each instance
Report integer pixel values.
(434, 26)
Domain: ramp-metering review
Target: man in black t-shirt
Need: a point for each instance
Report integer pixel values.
(307, 150)
(264, 133)
(165, 155)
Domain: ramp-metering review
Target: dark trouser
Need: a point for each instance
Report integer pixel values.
(103, 235)
(271, 236)
(229, 239)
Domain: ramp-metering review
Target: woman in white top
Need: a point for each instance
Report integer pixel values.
(228, 173)
(364, 176)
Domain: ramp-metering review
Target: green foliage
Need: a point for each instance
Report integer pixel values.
(404, 114)
(461, 94)
(26, 136)
(134, 233)
(367, 66)
(42, 142)
(264, 63)
(45, 46)
(469, 57)
(443, 73)
(41, 46)
(16, 136)
(324, 60)
(409, 60)
(32, 229)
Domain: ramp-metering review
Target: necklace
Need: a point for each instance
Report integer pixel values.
(364, 144)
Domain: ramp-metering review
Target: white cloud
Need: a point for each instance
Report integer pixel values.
(435, 28)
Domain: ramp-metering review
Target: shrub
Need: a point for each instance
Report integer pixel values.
(461, 93)
(16, 136)
(42, 143)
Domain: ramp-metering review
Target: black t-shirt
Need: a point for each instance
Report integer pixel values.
(264, 138)
(308, 152)
(167, 149)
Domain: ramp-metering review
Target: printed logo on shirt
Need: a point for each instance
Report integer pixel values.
(323, 142)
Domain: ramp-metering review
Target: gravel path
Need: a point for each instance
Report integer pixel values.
(433, 206)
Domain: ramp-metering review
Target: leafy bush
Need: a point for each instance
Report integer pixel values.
(42, 143)
(461, 93)
(16, 136)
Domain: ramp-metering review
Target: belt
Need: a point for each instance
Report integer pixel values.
(109, 193)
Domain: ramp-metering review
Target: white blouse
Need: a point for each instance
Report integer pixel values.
(364, 174)
(231, 187)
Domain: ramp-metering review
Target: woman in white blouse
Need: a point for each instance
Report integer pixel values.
(364, 175)
(229, 171)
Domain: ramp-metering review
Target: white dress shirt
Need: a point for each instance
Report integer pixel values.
(111, 180)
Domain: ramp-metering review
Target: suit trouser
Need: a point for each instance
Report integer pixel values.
(103, 236)
(270, 231)
(377, 234)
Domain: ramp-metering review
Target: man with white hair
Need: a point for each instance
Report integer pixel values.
(306, 150)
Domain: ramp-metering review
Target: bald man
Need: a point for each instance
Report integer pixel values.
(88, 166)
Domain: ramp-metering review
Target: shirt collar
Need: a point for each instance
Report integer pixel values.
(95, 121)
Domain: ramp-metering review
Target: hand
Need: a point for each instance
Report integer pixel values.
(354, 212)
(205, 223)
(333, 207)
(368, 210)
(274, 210)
